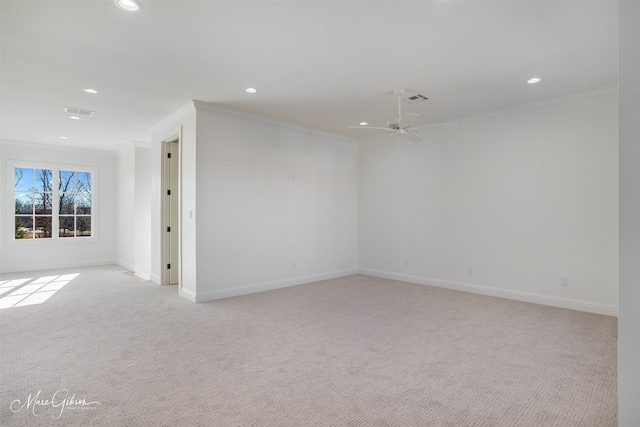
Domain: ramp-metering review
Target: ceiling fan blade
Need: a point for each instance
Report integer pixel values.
(370, 127)
(371, 138)
(406, 120)
(413, 137)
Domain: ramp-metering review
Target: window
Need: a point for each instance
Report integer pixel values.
(53, 202)
(74, 192)
(33, 200)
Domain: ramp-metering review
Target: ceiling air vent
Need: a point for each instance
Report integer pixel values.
(78, 111)
(415, 99)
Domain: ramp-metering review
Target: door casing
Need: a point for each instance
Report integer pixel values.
(170, 207)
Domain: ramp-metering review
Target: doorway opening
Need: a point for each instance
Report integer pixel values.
(170, 212)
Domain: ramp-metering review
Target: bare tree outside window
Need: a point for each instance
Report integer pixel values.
(74, 192)
(34, 194)
(33, 203)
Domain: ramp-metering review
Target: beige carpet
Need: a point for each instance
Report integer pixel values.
(357, 351)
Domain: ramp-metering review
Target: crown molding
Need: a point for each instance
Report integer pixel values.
(189, 108)
(216, 109)
(521, 107)
(541, 103)
(207, 107)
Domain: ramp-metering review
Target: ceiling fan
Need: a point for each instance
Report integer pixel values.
(403, 125)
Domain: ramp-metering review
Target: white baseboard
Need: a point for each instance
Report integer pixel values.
(549, 300)
(126, 265)
(141, 275)
(154, 278)
(135, 268)
(58, 265)
(185, 293)
(267, 286)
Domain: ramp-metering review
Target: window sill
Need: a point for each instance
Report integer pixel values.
(50, 242)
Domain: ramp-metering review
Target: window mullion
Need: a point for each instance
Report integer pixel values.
(55, 205)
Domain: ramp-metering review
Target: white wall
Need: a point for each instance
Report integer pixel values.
(522, 197)
(126, 199)
(52, 254)
(629, 111)
(188, 202)
(270, 195)
(142, 212)
(134, 208)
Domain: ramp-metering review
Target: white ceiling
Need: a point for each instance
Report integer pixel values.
(324, 64)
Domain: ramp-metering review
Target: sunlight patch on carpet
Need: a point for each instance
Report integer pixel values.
(24, 292)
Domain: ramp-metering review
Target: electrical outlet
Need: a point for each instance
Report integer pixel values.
(469, 270)
(564, 281)
(407, 263)
(293, 265)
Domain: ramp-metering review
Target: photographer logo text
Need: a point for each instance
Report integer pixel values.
(58, 402)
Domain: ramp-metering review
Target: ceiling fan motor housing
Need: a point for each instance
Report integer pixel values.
(403, 122)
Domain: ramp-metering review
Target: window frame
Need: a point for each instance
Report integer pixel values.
(55, 215)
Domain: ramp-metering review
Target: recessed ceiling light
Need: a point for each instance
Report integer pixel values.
(534, 80)
(64, 137)
(74, 117)
(128, 5)
(89, 90)
(363, 123)
(251, 90)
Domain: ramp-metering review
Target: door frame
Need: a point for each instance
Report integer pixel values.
(165, 217)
